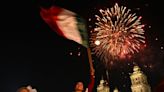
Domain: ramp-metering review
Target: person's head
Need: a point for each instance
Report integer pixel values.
(79, 87)
(23, 89)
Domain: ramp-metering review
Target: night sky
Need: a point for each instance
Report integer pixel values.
(33, 54)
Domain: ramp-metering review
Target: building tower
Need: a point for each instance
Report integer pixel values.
(139, 81)
(103, 86)
(115, 90)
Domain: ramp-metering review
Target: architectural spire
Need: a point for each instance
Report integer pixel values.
(115, 90)
(103, 86)
(139, 81)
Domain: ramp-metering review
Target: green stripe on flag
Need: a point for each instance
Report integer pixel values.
(83, 30)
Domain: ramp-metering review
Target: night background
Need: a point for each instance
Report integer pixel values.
(33, 54)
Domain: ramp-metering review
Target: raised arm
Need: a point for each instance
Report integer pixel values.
(92, 81)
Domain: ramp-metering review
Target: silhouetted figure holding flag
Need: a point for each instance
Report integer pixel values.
(71, 26)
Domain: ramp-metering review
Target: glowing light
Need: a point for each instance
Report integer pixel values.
(79, 54)
(151, 66)
(97, 42)
(111, 63)
(89, 19)
(121, 34)
(145, 66)
(70, 53)
(138, 8)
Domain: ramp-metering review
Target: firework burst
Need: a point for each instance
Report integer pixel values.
(118, 34)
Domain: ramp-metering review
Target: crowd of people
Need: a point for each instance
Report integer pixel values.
(79, 86)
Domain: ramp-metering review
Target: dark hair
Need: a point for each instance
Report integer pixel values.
(84, 84)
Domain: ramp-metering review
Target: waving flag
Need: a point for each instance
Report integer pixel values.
(71, 26)
(66, 23)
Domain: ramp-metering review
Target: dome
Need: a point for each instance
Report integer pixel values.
(136, 68)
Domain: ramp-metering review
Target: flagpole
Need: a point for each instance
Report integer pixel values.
(107, 75)
(90, 60)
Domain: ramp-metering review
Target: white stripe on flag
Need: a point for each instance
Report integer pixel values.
(68, 25)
